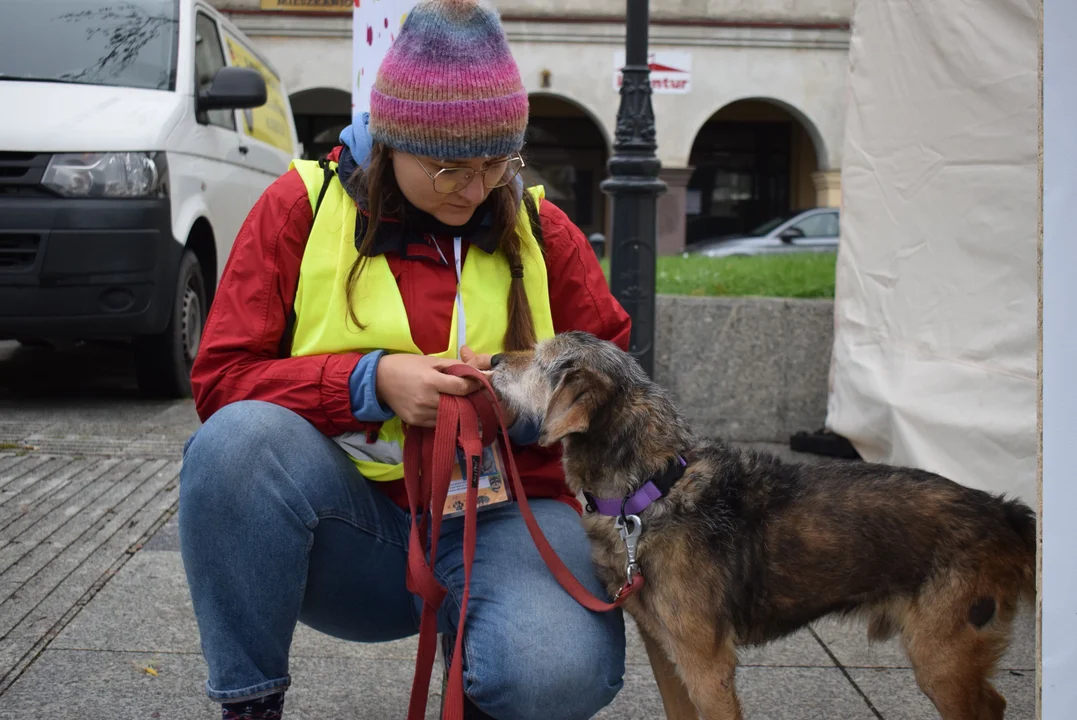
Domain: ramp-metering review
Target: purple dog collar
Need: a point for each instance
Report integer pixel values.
(652, 490)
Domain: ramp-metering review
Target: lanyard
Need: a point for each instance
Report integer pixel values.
(461, 320)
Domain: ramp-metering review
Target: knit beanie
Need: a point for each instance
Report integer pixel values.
(449, 88)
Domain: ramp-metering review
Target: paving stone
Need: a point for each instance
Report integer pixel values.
(342, 688)
(17, 520)
(30, 467)
(848, 641)
(896, 696)
(800, 649)
(112, 686)
(797, 650)
(21, 498)
(116, 437)
(82, 563)
(91, 624)
(167, 538)
(13, 439)
(9, 461)
(156, 446)
(800, 694)
(63, 680)
(766, 693)
(51, 414)
(65, 525)
(80, 446)
(13, 483)
(8, 589)
(36, 611)
(1021, 654)
(639, 698)
(147, 607)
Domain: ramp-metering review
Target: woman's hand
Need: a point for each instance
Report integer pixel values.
(482, 362)
(475, 360)
(412, 385)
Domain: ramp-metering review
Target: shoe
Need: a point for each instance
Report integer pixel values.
(823, 442)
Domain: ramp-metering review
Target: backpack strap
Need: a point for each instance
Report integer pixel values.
(328, 174)
(284, 348)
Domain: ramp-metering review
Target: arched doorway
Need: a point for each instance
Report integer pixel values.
(320, 115)
(566, 152)
(753, 161)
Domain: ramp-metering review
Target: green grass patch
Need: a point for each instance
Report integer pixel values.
(802, 275)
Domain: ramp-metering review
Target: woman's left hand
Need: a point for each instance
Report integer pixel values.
(481, 361)
(474, 359)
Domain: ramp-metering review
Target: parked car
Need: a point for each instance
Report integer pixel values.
(807, 231)
(135, 139)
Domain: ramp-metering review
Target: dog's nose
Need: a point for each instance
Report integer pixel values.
(495, 360)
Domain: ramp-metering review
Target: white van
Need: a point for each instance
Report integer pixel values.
(135, 136)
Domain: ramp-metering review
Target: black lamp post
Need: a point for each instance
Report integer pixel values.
(634, 188)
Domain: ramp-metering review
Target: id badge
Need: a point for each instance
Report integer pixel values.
(493, 486)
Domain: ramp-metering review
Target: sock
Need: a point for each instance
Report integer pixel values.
(270, 707)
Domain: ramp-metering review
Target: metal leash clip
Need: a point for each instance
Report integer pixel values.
(629, 528)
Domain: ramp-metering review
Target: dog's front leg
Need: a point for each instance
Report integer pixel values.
(693, 661)
(709, 673)
(675, 699)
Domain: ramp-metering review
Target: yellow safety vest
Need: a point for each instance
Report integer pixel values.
(322, 324)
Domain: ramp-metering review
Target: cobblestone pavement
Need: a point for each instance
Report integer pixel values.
(94, 611)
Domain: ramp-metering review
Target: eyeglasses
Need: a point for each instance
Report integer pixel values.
(496, 174)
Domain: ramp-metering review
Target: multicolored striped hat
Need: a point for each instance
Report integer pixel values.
(449, 88)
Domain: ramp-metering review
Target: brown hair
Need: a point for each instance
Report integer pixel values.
(377, 184)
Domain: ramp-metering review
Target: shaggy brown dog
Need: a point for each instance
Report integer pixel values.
(744, 549)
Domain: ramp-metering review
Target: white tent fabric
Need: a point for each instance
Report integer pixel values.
(935, 352)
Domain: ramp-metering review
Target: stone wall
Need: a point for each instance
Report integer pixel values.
(746, 369)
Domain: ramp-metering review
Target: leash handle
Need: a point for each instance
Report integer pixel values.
(560, 571)
(471, 423)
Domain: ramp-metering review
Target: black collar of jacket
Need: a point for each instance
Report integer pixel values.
(396, 234)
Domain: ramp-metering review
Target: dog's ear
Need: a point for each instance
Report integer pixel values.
(570, 407)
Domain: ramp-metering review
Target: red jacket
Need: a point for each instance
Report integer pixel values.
(238, 357)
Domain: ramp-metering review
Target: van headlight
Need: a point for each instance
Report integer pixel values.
(108, 175)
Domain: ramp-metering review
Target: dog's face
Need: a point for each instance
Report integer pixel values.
(564, 382)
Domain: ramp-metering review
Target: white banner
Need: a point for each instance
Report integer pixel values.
(934, 362)
(375, 25)
(671, 71)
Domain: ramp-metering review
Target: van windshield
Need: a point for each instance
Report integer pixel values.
(125, 43)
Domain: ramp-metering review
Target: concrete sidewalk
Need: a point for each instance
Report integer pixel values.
(96, 622)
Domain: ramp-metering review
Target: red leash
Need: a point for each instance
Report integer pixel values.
(429, 455)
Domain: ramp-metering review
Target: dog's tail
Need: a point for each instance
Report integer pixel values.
(1022, 521)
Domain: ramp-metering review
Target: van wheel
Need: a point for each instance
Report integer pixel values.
(163, 362)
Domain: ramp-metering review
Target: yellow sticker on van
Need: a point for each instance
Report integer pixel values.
(268, 123)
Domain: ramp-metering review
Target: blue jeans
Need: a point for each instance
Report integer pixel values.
(278, 526)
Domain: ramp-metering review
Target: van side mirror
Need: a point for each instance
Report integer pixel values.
(790, 234)
(234, 88)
